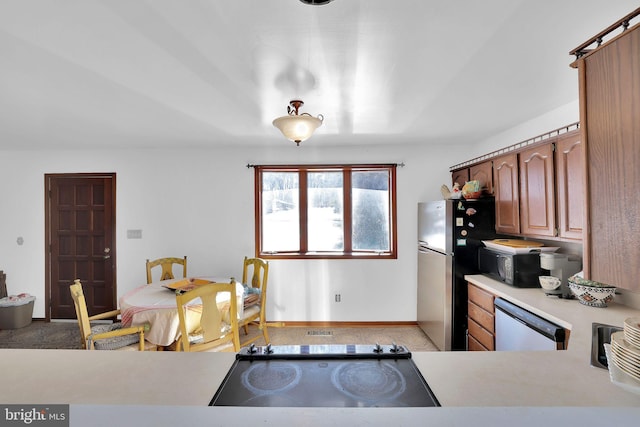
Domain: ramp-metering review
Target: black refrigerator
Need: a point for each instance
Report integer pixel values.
(449, 235)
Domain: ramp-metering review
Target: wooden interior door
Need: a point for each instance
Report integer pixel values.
(80, 242)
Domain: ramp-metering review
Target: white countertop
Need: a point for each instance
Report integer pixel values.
(560, 384)
(541, 378)
(142, 416)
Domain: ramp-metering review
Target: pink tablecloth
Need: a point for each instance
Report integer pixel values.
(156, 305)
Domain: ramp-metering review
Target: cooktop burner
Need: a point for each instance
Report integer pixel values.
(269, 378)
(324, 376)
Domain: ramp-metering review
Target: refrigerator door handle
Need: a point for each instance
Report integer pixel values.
(427, 250)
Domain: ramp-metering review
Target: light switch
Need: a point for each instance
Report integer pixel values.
(134, 234)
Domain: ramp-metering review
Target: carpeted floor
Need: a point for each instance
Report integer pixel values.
(40, 334)
(65, 335)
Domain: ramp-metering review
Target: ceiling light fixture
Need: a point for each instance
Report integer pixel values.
(297, 127)
(316, 2)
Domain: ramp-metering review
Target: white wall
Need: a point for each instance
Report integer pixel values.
(555, 119)
(200, 203)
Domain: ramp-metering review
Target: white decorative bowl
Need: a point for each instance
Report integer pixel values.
(591, 293)
(549, 283)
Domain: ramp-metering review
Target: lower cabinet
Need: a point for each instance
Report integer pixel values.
(481, 319)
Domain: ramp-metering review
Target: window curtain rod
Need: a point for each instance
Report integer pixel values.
(400, 165)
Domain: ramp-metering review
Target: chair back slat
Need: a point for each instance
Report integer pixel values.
(258, 269)
(218, 323)
(255, 273)
(81, 311)
(167, 267)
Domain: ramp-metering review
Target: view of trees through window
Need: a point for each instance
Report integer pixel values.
(370, 211)
(325, 211)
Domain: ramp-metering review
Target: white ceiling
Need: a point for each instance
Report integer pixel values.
(198, 73)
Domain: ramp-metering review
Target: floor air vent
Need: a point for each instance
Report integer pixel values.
(320, 333)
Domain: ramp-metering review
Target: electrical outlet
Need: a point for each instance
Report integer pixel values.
(338, 297)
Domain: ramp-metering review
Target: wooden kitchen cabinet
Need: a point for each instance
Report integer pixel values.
(570, 185)
(483, 172)
(460, 176)
(538, 186)
(506, 192)
(609, 106)
(481, 319)
(537, 191)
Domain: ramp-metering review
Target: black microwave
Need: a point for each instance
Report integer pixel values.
(518, 270)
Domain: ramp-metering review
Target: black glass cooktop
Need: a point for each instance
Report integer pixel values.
(324, 376)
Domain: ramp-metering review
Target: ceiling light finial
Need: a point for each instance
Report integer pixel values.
(295, 126)
(316, 2)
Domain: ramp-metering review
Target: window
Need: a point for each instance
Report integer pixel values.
(326, 211)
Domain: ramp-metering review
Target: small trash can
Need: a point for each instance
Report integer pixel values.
(18, 314)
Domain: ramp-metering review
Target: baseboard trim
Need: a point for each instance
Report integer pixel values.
(297, 324)
(42, 319)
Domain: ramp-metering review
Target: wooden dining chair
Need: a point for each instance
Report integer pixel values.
(106, 336)
(167, 267)
(218, 321)
(255, 274)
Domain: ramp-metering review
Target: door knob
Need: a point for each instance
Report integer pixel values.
(107, 253)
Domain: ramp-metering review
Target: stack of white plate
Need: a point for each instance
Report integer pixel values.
(625, 348)
(632, 330)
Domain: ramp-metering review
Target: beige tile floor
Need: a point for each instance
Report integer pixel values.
(411, 337)
(66, 335)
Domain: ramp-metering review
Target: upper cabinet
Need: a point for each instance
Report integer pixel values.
(552, 188)
(570, 185)
(539, 187)
(507, 195)
(537, 191)
(460, 176)
(610, 123)
(483, 172)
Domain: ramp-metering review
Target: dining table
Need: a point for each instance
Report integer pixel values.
(155, 304)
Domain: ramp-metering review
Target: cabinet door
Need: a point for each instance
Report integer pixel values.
(481, 298)
(611, 100)
(570, 187)
(483, 172)
(460, 176)
(481, 317)
(505, 173)
(474, 345)
(537, 191)
(481, 335)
